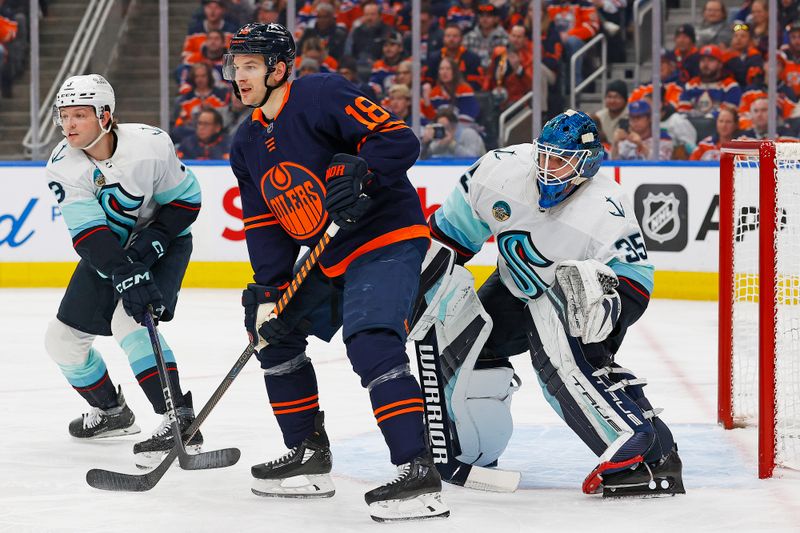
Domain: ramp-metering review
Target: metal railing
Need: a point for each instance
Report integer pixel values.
(598, 72)
(509, 119)
(75, 62)
(640, 9)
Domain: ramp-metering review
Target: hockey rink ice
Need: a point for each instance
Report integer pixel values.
(42, 470)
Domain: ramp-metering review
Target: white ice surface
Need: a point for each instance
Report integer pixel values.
(42, 485)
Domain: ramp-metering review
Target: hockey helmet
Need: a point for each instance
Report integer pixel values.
(89, 90)
(273, 41)
(567, 153)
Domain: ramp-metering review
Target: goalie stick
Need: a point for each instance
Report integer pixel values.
(119, 481)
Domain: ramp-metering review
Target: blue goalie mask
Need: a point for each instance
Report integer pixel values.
(567, 153)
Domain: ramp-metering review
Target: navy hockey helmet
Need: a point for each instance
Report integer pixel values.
(273, 41)
(567, 153)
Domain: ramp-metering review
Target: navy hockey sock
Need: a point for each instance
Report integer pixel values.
(294, 398)
(101, 394)
(151, 385)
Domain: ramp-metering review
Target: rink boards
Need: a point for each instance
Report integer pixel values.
(677, 205)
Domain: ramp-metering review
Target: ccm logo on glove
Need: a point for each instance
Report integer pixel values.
(136, 279)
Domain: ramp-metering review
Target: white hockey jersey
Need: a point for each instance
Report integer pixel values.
(498, 196)
(125, 191)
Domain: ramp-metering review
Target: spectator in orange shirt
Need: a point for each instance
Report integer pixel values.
(510, 74)
(688, 62)
(203, 94)
(468, 63)
(213, 19)
(577, 22)
(759, 118)
(705, 94)
(450, 90)
(710, 148)
(212, 52)
(314, 49)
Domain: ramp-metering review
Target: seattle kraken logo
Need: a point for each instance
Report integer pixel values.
(118, 204)
(521, 257)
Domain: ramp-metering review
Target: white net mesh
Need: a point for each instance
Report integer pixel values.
(787, 304)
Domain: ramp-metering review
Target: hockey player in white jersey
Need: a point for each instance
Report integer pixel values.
(572, 276)
(129, 203)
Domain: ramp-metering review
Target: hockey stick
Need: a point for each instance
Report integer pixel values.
(199, 461)
(118, 481)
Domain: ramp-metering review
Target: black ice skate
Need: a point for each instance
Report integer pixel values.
(150, 452)
(100, 423)
(303, 472)
(415, 494)
(661, 479)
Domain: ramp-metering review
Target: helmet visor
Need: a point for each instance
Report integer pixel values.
(228, 68)
(555, 166)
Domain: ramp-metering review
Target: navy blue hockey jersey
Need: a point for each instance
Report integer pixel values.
(281, 166)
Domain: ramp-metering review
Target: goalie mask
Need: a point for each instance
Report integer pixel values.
(89, 90)
(567, 153)
(272, 41)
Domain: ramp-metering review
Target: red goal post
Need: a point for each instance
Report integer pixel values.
(758, 296)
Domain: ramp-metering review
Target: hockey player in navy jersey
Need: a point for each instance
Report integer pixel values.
(317, 150)
(129, 203)
(571, 278)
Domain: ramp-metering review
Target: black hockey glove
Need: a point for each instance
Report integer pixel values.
(147, 247)
(262, 325)
(345, 198)
(136, 287)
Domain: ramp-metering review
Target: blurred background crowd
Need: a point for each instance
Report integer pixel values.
(476, 68)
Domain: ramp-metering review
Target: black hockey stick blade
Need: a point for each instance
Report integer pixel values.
(199, 461)
(121, 482)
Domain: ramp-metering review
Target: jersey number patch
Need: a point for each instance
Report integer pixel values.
(118, 204)
(522, 258)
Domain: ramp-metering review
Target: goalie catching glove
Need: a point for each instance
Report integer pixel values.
(590, 296)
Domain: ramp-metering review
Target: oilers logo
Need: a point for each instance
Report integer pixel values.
(119, 206)
(522, 259)
(295, 195)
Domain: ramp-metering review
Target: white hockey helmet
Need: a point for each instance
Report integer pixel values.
(90, 89)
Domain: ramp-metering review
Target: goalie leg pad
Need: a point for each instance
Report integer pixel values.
(599, 410)
(482, 413)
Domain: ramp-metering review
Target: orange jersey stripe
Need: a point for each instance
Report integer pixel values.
(259, 217)
(400, 412)
(295, 402)
(395, 404)
(402, 234)
(248, 227)
(297, 409)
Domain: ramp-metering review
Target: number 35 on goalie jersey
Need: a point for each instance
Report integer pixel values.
(498, 196)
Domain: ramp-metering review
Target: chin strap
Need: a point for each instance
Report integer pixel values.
(267, 85)
(103, 131)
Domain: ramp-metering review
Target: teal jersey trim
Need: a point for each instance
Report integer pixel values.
(82, 214)
(456, 219)
(641, 274)
(188, 191)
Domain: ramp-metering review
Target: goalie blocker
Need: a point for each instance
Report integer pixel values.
(468, 382)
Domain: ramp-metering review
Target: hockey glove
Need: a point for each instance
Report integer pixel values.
(147, 247)
(262, 324)
(135, 285)
(592, 302)
(345, 199)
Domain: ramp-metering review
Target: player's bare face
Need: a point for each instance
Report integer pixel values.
(558, 167)
(250, 73)
(79, 125)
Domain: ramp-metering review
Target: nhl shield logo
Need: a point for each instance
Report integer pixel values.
(501, 211)
(660, 220)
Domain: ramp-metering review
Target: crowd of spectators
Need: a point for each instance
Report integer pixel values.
(477, 61)
(14, 42)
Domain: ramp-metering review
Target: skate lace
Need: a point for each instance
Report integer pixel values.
(162, 428)
(92, 418)
(283, 458)
(402, 472)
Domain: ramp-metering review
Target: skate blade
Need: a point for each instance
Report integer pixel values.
(150, 460)
(423, 507)
(656, 489)
(130, 430)
(306, 486)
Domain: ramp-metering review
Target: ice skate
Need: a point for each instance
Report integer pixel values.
(303, 472)
(662, 479)
(100, 423)
(149, 453)
(416, 494)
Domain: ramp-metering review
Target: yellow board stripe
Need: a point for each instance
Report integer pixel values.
(214, 275)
